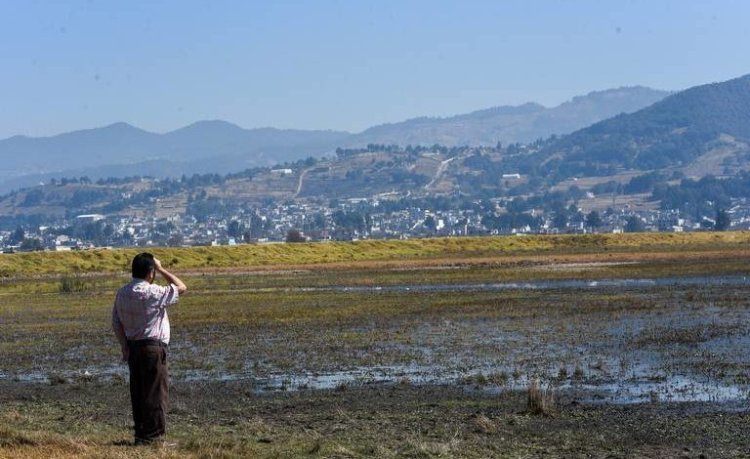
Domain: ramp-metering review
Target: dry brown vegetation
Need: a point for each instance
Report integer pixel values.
(540, 400)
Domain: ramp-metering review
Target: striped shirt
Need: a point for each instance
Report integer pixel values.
(140, 310)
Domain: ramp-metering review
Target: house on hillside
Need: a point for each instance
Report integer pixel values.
(89, 217)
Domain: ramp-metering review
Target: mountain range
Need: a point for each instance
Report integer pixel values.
(524, 123)
(120, 149)
(708, 122)
(123, 150)
(702, 133)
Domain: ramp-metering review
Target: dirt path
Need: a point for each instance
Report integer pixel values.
(300, 182)
(441, 169)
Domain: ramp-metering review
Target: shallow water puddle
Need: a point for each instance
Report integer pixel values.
(676, 388)
(673, 389)
(539, 285)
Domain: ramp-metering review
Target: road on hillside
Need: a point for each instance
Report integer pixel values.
(441, 169)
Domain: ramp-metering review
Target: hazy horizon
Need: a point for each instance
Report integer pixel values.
(341, 66)
(477, 109)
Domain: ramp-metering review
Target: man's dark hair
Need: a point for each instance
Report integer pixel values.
(143, 264)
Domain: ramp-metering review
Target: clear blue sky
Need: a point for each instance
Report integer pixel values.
(343, 64)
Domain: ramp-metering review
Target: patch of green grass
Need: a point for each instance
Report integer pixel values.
(72, 284)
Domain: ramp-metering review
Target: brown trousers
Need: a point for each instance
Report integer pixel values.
(149, 391)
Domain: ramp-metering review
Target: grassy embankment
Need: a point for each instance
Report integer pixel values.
(424, 250)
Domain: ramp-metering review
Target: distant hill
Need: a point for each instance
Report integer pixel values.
(220, 147)
(671, 133)
(121, 149)
(524, 123)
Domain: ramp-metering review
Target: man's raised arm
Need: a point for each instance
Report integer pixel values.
(171, 278)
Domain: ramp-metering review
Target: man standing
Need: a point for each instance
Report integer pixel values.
(141, 324)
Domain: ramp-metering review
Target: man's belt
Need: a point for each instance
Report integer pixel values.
(147, 342)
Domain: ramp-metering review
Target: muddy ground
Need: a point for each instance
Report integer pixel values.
(231, 420)
(636, 358)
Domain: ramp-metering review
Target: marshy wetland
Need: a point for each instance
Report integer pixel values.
(638, 344)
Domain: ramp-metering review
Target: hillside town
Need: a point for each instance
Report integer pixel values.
(351, 219)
